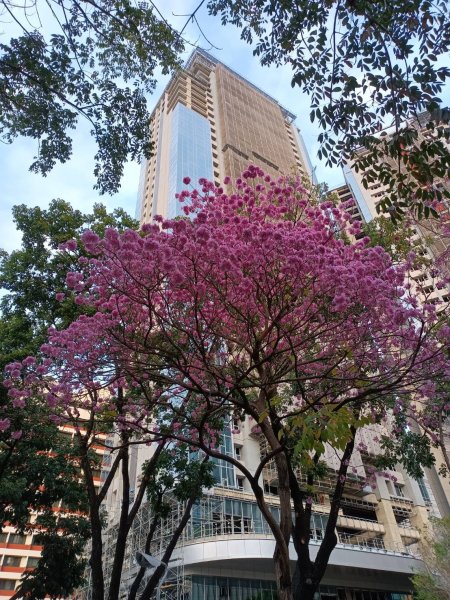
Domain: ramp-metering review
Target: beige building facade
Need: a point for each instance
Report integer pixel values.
(211, 123)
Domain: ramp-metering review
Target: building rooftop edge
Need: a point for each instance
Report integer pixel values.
(216, 61)
(200, 52)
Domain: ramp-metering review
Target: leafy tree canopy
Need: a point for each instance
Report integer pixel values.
(94, 59)
(32, 275)
(367, 66)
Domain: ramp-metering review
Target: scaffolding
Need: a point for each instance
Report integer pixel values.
(172, 586)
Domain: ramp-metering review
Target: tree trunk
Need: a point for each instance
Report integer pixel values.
(284, 527)
(282, 572)
(95, 561)
(302, 580)
(140, 576)
(96, 558)
(306, 591)
(123, 528)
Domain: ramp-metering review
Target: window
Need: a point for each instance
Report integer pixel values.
(7, 584)
(17, 538)
(237, 525)
(11, 561)
(32, 562)
(237, 452)
(227, 524)
(217, 523)
(398, 490)
(270, 489)
(316, 534)
(423, 490)
(240, 482)
(3, 538)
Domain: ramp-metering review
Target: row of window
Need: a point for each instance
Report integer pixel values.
(17, 538)
(227, 588)
(14, 561)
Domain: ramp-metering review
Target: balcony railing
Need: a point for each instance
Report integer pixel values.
(375, 545)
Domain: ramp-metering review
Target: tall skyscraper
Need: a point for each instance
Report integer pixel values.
(210, 122)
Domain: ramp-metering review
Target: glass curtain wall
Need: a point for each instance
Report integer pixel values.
(190, 153)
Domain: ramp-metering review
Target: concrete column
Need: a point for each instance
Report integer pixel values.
(419, 519)
(385, 515)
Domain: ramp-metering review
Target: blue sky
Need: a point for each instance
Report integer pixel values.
(74, 180)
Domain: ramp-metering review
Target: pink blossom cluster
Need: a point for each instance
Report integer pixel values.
(254, 291)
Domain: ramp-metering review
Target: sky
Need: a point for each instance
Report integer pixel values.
(74, 180)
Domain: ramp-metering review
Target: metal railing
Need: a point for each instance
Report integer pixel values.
(376, 545)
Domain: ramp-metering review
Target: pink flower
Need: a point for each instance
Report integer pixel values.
(28, 361)
(60, 296)
(16, 435)
(186, 180)
(5, 424)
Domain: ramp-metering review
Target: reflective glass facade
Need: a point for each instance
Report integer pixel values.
(231, 588)
(227, 588)
(223, 470)
(190, 153)
(215, 515)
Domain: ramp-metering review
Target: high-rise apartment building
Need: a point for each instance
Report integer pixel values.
(210, 122)
(435, 241)
(430, 231)
(364, 209)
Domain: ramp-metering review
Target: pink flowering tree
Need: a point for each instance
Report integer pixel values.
(257, 306)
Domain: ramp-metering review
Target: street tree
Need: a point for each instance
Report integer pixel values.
(374, 74)
(255, 306)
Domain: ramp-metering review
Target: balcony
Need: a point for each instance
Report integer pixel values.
(375, 544)
(360, 524)
(401, 501)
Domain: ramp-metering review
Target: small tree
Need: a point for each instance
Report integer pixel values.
(434, 582)
(257, 306)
